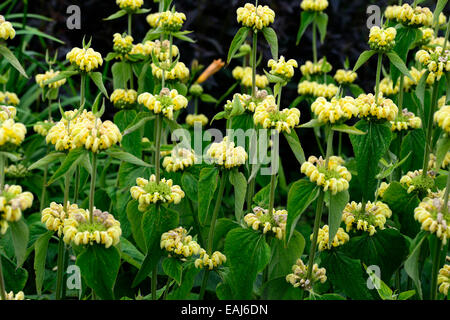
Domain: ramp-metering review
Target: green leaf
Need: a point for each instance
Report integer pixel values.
(366, 55)
(182, 37)
(40, 255)
(189, 185)
(50, 158)
(207, 185)
(10, 155)
(369, 149)
(301, 194)
(11, 58)
(173, 268)
(406, 295)
(420, 89)
(15, 278)
(237, 179)
(135, 219)
(398, 63)
(296, 147)
(208, 98)
(238, 40)
(127, 157)
(412, 262)
(306, 18)
(20, 236)
(443, 146)
(62, 75)
(404, 41)
(116, 15)
(121, 72)
(414, 143)
(439, 8)
(261, 198)
(70, 162)
(155, 222)
(98, 80)
(347, 129)
(99, 268)
(247, 254)
(322, 22)
(138, 125)
(313, 123)
(383, 290)
(280, 289)
(337, 205)
(272, 40)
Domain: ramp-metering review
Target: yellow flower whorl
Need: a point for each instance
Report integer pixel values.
(48, 75)
(442, 118)
(225, 154)
(132, 5)
(345, 76)
(436, 60)
(444, 279)
(12, 132)
(373, 216)
(320, 67)
(85, 59)
(282, 68)
(191, 119)
(168, 20)
(179, 159)
(123, 98)
(314, 5)
(418, 16)
(179, 72)
(432, 217)
(275, 223)
(179, 244)
(299, 272)
(9, 98)
(123, 44)
(315, 89)
(244, 75)
(268, 116)
(166, 102)
(368, 108)
(53, 217)
(340, 238)
(337, 110)
(18, 296)
(12, 202)
(406, 120)
(382, 39)
(213, 262)
(6, 29)
(255, 17)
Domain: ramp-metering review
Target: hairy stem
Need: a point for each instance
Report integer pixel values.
(92, 187)
(314, 41)
(254, 51)
(429, 136)
(317, 220)
(158, 147)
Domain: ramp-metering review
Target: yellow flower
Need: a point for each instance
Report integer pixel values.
(152, 19)
(7, 112)
(430, 213)
(382, 189)
(260, 219)
(337, 110)
(418, 16)
(427, 35)
(340, 238)
(205, 262)
(334, 178)
(373, 216)
(225, 154)
(131, 5)
(12, 132)
(123, 44)
(166, 102)
(387, 87)
(320, 67)
(168, 20)
(18, 296)
(314, 5)
(42, 127)
(414, 181)
(161, 49)
(16, 171)
(255, 17)
(41, 78)
(53, 217)
(245, 76)
(12, 202)
(416, 75)
(148, 192)
(179, 159)
(191, 119)
(268, 116)
(385, 109)
(436, 60)
(9, 98)
(444, 279)
(345, 76)
(312, 88)
(6, 29)
(406, 120)
(441, 101)
(85, 59)
(123, 98)
(179, 244)
(282, 68)
(299, 272)
(179, 72)
(79, 229)
(442, 118)
(249, 103)
(382, 39)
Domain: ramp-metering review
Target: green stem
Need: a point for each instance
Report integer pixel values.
(44, 188)
(254, 51)
(2, 282)
(401, 93)
(447, 189)
(130, 22)
(429, 136)
(314, 41)
(273, 183)
(77, 185)
(317, 220)
(82, 90)
(330, 136)
(204, 283)
(2, 171)
(340, 144)
(436, 257)
(377, 85)
(250, 193)
(196, 221)
(92, 187)
(158, 147)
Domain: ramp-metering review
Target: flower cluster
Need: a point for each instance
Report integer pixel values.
(123, 98)
(179, 72)
(7, 112)
(368, 108)
(249, 103)
(416, 75)
(12, 202)
(16, 171)
(271, 117)
(18, 296)
(167, 20)
(244, 75)
(162, 49)
(191, 119)
(320, 67)
(299, 272)
(216, 260)
(166, 102)
(179, 159)
(436, 60)
(443, 280)
(123, 44)
(340, 238)
(382, 189)
(261, 219)
(315, 89)
(85, 59)
(131, 5)
(373, 216)
(179, 244)
(6, 29)
(79, 229)
(382, 39)
(387, 87)
(282, 68)
(9, 98)
(434, 219)
(11, 133)
(335, 177)
(314, 5)
(345, 76)
(48, 75)
(255, 17)
(337, 110)
(442, 118)
(53, 217)
(418, 16)
(42, 127)
(225, 154)
(148, 192)
(406, 120)
(414, 181)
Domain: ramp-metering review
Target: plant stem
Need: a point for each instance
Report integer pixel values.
(254, 51)
(82, 90)
(317, 220)
(196, 222)
(314, 41)
(377, 85)
(130, 22)
(429, 136)
(209, 248)
(447, 189)
(77, 185)
(330, 136)
(158, 147)
(2, 282)
(436, 257)
(92, 187)
(273, 183)
(2, 171)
